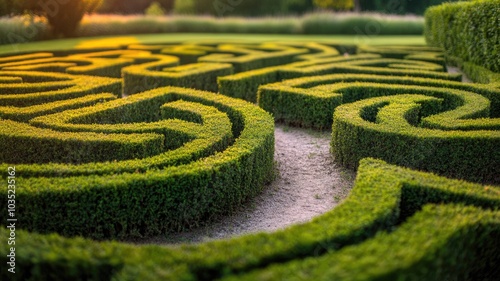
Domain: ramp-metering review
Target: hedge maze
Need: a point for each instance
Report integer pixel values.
(146, 139)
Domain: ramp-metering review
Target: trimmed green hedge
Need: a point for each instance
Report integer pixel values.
(166, 192)
(310, 101)
(205, 63)
(244, 85)
(454, 245)
(192, 131)
(421, 53)
(249, 57)
(23, 57)
(186, 53)
(200, 155)
(26, 113)
(435, 229)
(22, 143)
(468, 30)
(447, 143)
(96, 62)
(30, 94)
(476, 72)
(202, 76)
(40, 88)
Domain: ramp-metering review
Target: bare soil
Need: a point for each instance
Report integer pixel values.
(308, 183)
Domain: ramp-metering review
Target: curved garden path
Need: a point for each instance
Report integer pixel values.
(308, 183)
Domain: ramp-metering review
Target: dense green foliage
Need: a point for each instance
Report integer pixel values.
(62, 16)
(191, 182)
(132, 6)
(283, 7)
(362, 25)
(416, 7)
(338, 5)
(155, 9)
(201, 76)
(244, 8)
(305, 102)
(65, 18)
(469, 31)
(435, 228)
(233, 8)
(6, 7)
(104, 157)
(446, 145)
(468, 113)
(24, 102)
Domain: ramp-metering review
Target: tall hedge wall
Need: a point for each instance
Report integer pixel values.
(468, 30)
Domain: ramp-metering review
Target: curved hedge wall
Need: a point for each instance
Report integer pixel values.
(113, 144)
(119, 169)
(396, 223)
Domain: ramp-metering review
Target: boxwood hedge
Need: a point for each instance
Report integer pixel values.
(174, 158)
(310, 101)
(245, 85)
(208, 175)
(468, 30)
(395, 224)
(447, 144)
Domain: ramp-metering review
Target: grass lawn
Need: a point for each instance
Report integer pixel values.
(63, 44)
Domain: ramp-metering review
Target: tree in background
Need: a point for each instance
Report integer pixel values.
(248, 8)
(6, 7)
(155, 9)
(417, 7)
(337, 5)
(259, 7)
(167, 5)
(185, 7)
(18, 7)
(299, 6)
(133, 6)
(63, 16)
(235, 7)
(123, 6)
(357, 6)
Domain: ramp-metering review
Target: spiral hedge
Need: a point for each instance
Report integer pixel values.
(135, 141)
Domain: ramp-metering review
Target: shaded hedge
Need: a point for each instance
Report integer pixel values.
(468, 30)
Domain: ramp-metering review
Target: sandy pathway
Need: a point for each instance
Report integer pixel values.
(308, 184)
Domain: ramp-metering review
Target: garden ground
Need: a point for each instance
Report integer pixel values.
(95, 42)
(308, 183)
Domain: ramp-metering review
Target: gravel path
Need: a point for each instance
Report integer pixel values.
(454, 69)
(309, 183)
